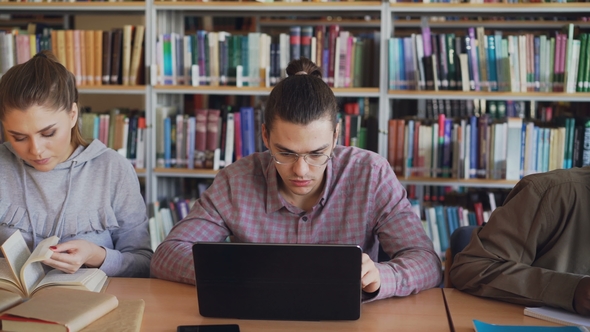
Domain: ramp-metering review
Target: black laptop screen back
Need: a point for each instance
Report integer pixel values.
(278, 281)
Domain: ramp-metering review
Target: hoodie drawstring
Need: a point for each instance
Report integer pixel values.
(34, 234)
(58, 226)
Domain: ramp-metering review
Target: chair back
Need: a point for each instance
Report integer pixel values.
(459, 240)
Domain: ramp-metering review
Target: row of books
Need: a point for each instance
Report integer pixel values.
(490, 1)
(543, 111)
(477, 147)
(459, 207)
(124, 132)
(71, 1)
(258, 59)
(211, 138)
(214, 138)
(95, 57)
(492, 62)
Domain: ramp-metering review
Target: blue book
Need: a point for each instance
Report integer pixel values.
(487, 327)
(168, 70)
(451, 216)
(402, 84)
(546, 147)
(472, 218)
(447, 161)
(245, 60)
(492, 75)
(540, 149)
(443, 232)
(570, 124)
(96, 130)
(522, 149)
(535, 148)
(167, 142)
(201, 57)
(474, 148)
(248, 131)
(392, 63)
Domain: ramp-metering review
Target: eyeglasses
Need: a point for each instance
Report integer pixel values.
(313, 159)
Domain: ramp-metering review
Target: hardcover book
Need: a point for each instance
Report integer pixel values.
(70, 310)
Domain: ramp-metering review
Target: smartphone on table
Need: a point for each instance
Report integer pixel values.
(209, 328)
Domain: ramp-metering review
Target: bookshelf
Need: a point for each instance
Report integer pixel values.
(385, 17)
(309, 13)
(62, 15)
(534, 18)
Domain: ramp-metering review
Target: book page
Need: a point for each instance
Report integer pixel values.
(8, 299)
(6, 274)
(126, 317)
(16, 252)
(32, 271)
(89, 279)
(7, 280)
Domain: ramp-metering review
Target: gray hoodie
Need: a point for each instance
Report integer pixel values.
(93, 196)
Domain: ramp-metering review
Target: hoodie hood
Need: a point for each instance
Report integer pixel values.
(80, 154)
(78, 158)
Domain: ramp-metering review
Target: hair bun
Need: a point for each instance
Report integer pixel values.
(303, 66)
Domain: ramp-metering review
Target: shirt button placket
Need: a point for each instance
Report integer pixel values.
(304, 229)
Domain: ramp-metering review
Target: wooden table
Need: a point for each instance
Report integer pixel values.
(168, 304)
(464, 308)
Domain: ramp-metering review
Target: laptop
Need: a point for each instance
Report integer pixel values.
(278, 281)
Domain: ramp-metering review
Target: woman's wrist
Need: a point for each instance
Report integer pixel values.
(97, 258)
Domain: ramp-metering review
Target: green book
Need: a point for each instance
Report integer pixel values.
(450, 38)
(582, 69)
(358, 63)
(586, 81)
(195, 50)
(362, 138)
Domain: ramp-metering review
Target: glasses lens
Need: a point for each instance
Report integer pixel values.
(285, 157)
(316, 159)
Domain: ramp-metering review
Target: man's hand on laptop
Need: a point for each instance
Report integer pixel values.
(370, 277)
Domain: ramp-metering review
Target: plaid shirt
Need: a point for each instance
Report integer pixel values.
(362, 203)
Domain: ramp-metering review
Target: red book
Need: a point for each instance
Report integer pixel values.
(200, 137)
(418, 161)
(391, 136)
(347, 130)
(333, 34)
(399, 150)
(478, 207)
(237, 136)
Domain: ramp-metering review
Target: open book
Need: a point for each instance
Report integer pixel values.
(22, 273)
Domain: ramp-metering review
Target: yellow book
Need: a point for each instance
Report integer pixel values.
(136, 54)
(126, 59)
(22, 273)
(89, 44)
(33, 44)
(98, 57)
(52, 309)
(54, 43)
(83, 57)
(61, 47)
(70, 58)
